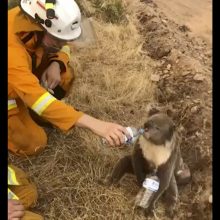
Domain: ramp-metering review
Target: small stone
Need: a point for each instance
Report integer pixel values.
(194, 109)
(185, 73)
(198, 77)
(182, 128)
(198, 134)
(165, 76)
(197, 101)
(184, 28)
(165, 71)
(193, 137)
(164, 21)
(189, 214)
(132, 111)
(155, 77)
(169, 66)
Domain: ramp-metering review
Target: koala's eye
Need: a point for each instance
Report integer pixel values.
(157, 128)
(147, 125)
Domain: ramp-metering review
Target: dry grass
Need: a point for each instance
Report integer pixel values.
(112, 84)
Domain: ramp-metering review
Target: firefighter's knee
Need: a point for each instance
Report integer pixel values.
(31, 215)
(32, 143)
(37, 144)
(27, 194)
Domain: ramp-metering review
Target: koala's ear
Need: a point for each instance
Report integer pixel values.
(153, 111)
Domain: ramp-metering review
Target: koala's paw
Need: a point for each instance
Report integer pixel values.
(171, 210)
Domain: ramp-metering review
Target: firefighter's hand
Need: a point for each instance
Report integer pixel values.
(15, 210)
(112, 132)
(52, 75)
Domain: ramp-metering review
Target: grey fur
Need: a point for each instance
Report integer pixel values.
(160, 137)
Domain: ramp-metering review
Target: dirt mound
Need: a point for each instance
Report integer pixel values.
(183, 80)
(150, 59)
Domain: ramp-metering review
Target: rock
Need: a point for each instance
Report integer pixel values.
(184, 28)
(151, 27)
(164, 21)
(198, 77)
(181, 128)
(198, 134)
(165, 76)
(161, 51)
(194, 109)
(197, 101)
(185, 73)
(189, 214)
(168, 66)
(155, 77)
(193, 137)
(165, 71)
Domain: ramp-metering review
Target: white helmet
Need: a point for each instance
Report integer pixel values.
(61, 18)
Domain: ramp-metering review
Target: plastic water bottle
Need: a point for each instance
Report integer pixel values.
(134, 134)
(149, 188)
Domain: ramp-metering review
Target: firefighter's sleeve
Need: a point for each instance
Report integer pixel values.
(62, 57)
(27, 87)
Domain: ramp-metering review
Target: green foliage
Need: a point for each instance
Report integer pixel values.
(110, 11)
(13, 3)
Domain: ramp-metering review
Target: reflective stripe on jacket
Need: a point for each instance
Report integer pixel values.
(11, 195)
(12, 181)
(11, 104)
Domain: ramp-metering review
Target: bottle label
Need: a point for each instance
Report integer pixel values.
(129, 140)
(130, 131)
(151, 184)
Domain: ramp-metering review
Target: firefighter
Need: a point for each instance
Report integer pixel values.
(22, 194)
(39, 75)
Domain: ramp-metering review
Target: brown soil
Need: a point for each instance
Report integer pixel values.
(197, 15)
(151, 59)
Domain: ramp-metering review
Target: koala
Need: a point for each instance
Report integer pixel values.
(157, 151)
